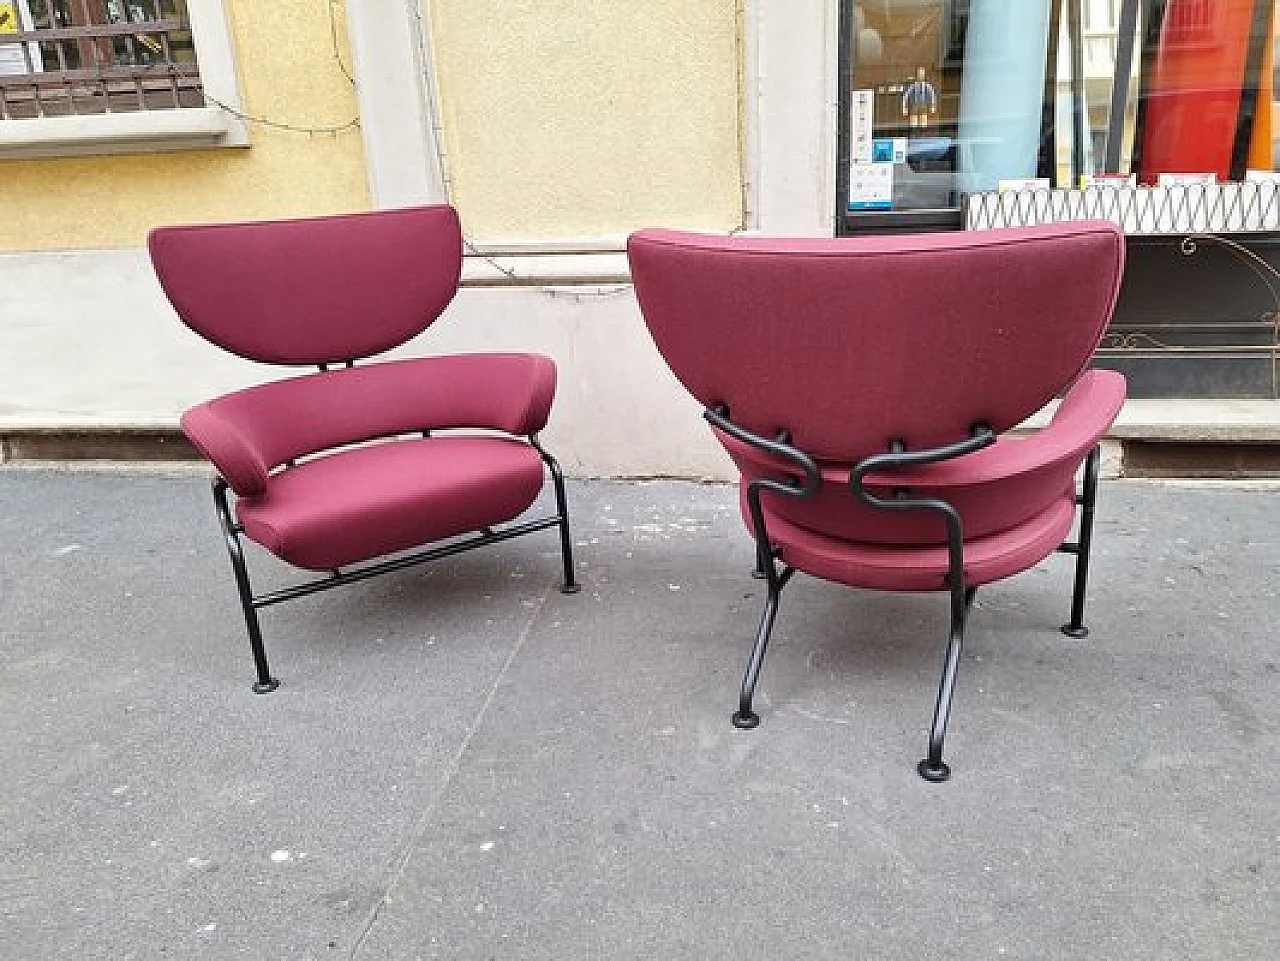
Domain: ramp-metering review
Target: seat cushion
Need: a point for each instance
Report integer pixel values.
(361, 503)
(905, 568)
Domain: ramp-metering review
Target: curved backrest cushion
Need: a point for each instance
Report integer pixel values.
(850, 343)
(316, 290)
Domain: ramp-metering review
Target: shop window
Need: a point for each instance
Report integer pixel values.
(942, 98)
(82, 76)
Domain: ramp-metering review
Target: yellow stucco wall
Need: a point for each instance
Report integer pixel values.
(568, 118)
(288, 74)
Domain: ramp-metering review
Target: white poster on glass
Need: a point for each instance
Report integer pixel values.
(17, 59)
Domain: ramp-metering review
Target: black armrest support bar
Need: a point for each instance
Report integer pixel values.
(932, 767)
(802, 489)
(983, 436)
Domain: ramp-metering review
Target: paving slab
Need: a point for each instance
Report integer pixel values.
(464, 763)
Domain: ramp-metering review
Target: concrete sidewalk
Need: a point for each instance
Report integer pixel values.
(463, 763)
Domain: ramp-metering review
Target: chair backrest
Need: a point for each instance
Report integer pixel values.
(317, 290)
(852, 343)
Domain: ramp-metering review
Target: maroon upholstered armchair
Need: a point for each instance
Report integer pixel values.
(348, 470)
(862, 388)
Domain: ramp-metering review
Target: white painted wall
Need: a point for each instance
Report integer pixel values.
(90, 341)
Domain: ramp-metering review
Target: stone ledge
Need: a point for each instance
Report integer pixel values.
(122, 444)
(1192, 459)
(1152, 438)
(1189, 421)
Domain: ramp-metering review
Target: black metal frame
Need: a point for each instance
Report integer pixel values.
(932, 767)
(1082, 545)
(766, 554)
(251, 603)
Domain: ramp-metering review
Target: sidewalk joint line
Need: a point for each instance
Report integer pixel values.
(424, 822)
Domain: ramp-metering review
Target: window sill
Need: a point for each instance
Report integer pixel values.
(536, 267)
(142, 132)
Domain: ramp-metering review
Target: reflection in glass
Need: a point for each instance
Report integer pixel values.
(955, 96)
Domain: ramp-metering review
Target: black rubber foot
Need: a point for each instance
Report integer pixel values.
(746, 721)
(570, 588)
(934, 773)
(265, 687)
(758, 574)
(1076, 632)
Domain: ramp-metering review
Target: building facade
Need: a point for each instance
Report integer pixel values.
(555, 128)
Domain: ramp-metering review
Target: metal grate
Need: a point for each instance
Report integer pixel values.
(72, 57)
(1243, 347)
(1249, 207)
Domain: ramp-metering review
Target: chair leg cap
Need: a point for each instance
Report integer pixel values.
(265, 687)
(1076, 632)
(746, 721)
(933, 772)
(570, 588)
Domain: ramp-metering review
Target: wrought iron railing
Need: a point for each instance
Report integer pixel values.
(1248, 207)
(1191, 217)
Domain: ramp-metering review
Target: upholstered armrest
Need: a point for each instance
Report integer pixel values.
(247, 433)
(1082, 418)
(230, 444)
(1091, 406)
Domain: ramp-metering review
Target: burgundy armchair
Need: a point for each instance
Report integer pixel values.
(348, 470)
(863, 388)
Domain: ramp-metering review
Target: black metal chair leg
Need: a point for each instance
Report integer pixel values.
(933, 768)
(1075, 627)
(570, 585)
(745, 718)
(762, 561)
(265, 682)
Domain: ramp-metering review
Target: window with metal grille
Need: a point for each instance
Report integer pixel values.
(72, 57)
(84, 77)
